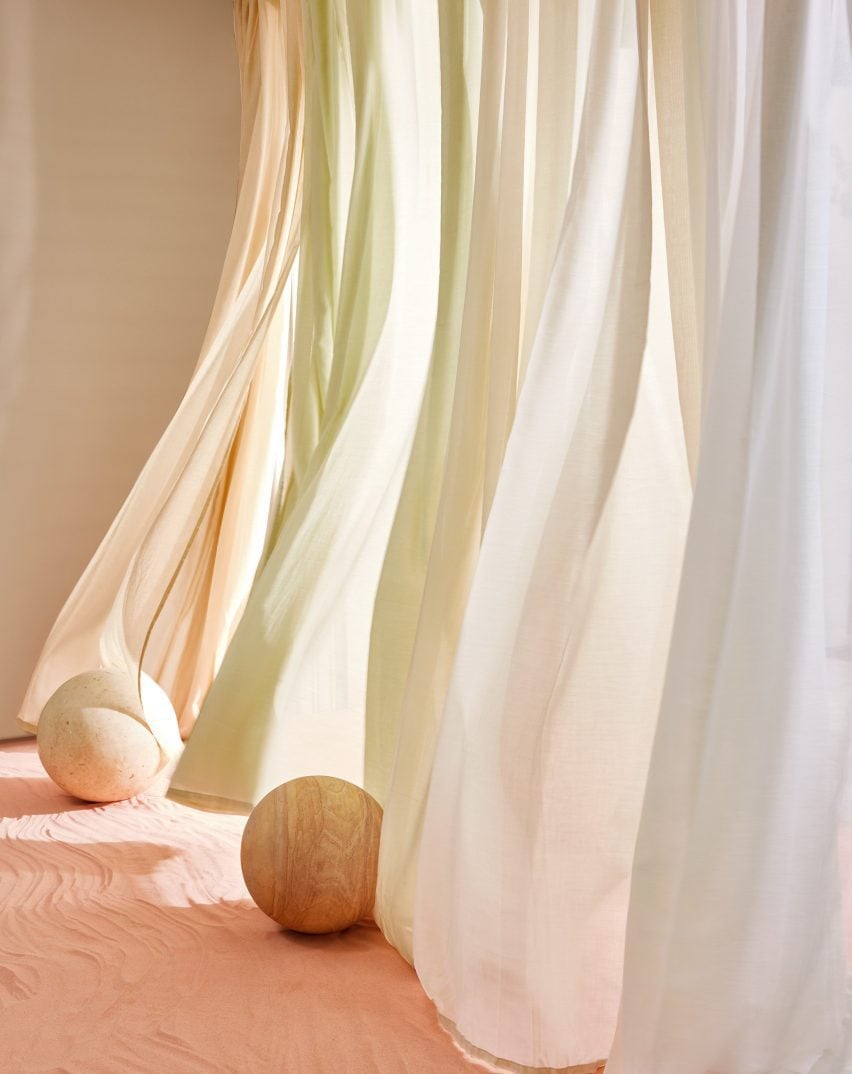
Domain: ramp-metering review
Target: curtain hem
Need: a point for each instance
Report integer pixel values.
(498, 1064)
(210, 803)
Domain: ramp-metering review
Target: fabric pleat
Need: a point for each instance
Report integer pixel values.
(289, 699)
(166, 586)
(330, 159)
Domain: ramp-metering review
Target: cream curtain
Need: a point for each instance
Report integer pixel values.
(542, 468)
(166, 587)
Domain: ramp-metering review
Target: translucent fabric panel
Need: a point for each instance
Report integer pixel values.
(400, 589)
(330, 160)
(538, 776)
(735, 959)
(289, 699)
(169, 580)
(520, 186)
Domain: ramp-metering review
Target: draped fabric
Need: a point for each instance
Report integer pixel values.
(537, 780)
(167, 585)
(290, 696)
(538, 468)
(399, 593)
(735, 943)
(512, 220)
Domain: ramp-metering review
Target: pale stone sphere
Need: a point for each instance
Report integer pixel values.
(310, 853)
(91, 738)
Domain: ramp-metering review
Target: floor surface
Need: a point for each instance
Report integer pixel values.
(129, 945)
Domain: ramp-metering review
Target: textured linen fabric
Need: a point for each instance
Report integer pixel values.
(520, 188)
(400, 590)
(735, 957)
(563, 310)
(169, 580)
(537, 781)
(289, 699)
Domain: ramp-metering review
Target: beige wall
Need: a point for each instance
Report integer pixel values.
(118, 150)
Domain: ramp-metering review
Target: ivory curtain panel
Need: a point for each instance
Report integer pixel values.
(166, 586)
(515, 483)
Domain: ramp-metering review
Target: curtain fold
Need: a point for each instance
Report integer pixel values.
(678, 118)
(168, 582)
(400, 589)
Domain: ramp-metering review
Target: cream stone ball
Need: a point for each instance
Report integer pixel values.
(310, 854)
(91, 738)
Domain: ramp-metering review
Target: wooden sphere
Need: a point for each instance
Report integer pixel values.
(310, 854)
(91, 741)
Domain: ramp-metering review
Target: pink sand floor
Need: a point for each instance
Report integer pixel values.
(128, 943)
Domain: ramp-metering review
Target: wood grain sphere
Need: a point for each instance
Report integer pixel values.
(90, 738)
(310, 854)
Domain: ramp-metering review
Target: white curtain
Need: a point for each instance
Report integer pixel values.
(538, 776)
(735, 956)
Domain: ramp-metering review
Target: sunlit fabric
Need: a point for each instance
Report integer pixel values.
(290, 696)
(514, 226)
(735, 944)
(537, 780)
(167, 585)
(515, 483)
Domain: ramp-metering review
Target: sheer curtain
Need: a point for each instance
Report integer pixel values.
(735, 945)
(735, 949)
(558, 557)
(167, 585)
(515, 214)
(537, 780)
(290, 696)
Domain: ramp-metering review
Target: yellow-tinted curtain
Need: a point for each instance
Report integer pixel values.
(166, 586)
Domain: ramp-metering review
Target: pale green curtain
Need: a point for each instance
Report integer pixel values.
(523, 876)
(400, 590)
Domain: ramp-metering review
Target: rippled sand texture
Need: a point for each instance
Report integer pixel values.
(128, 944)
